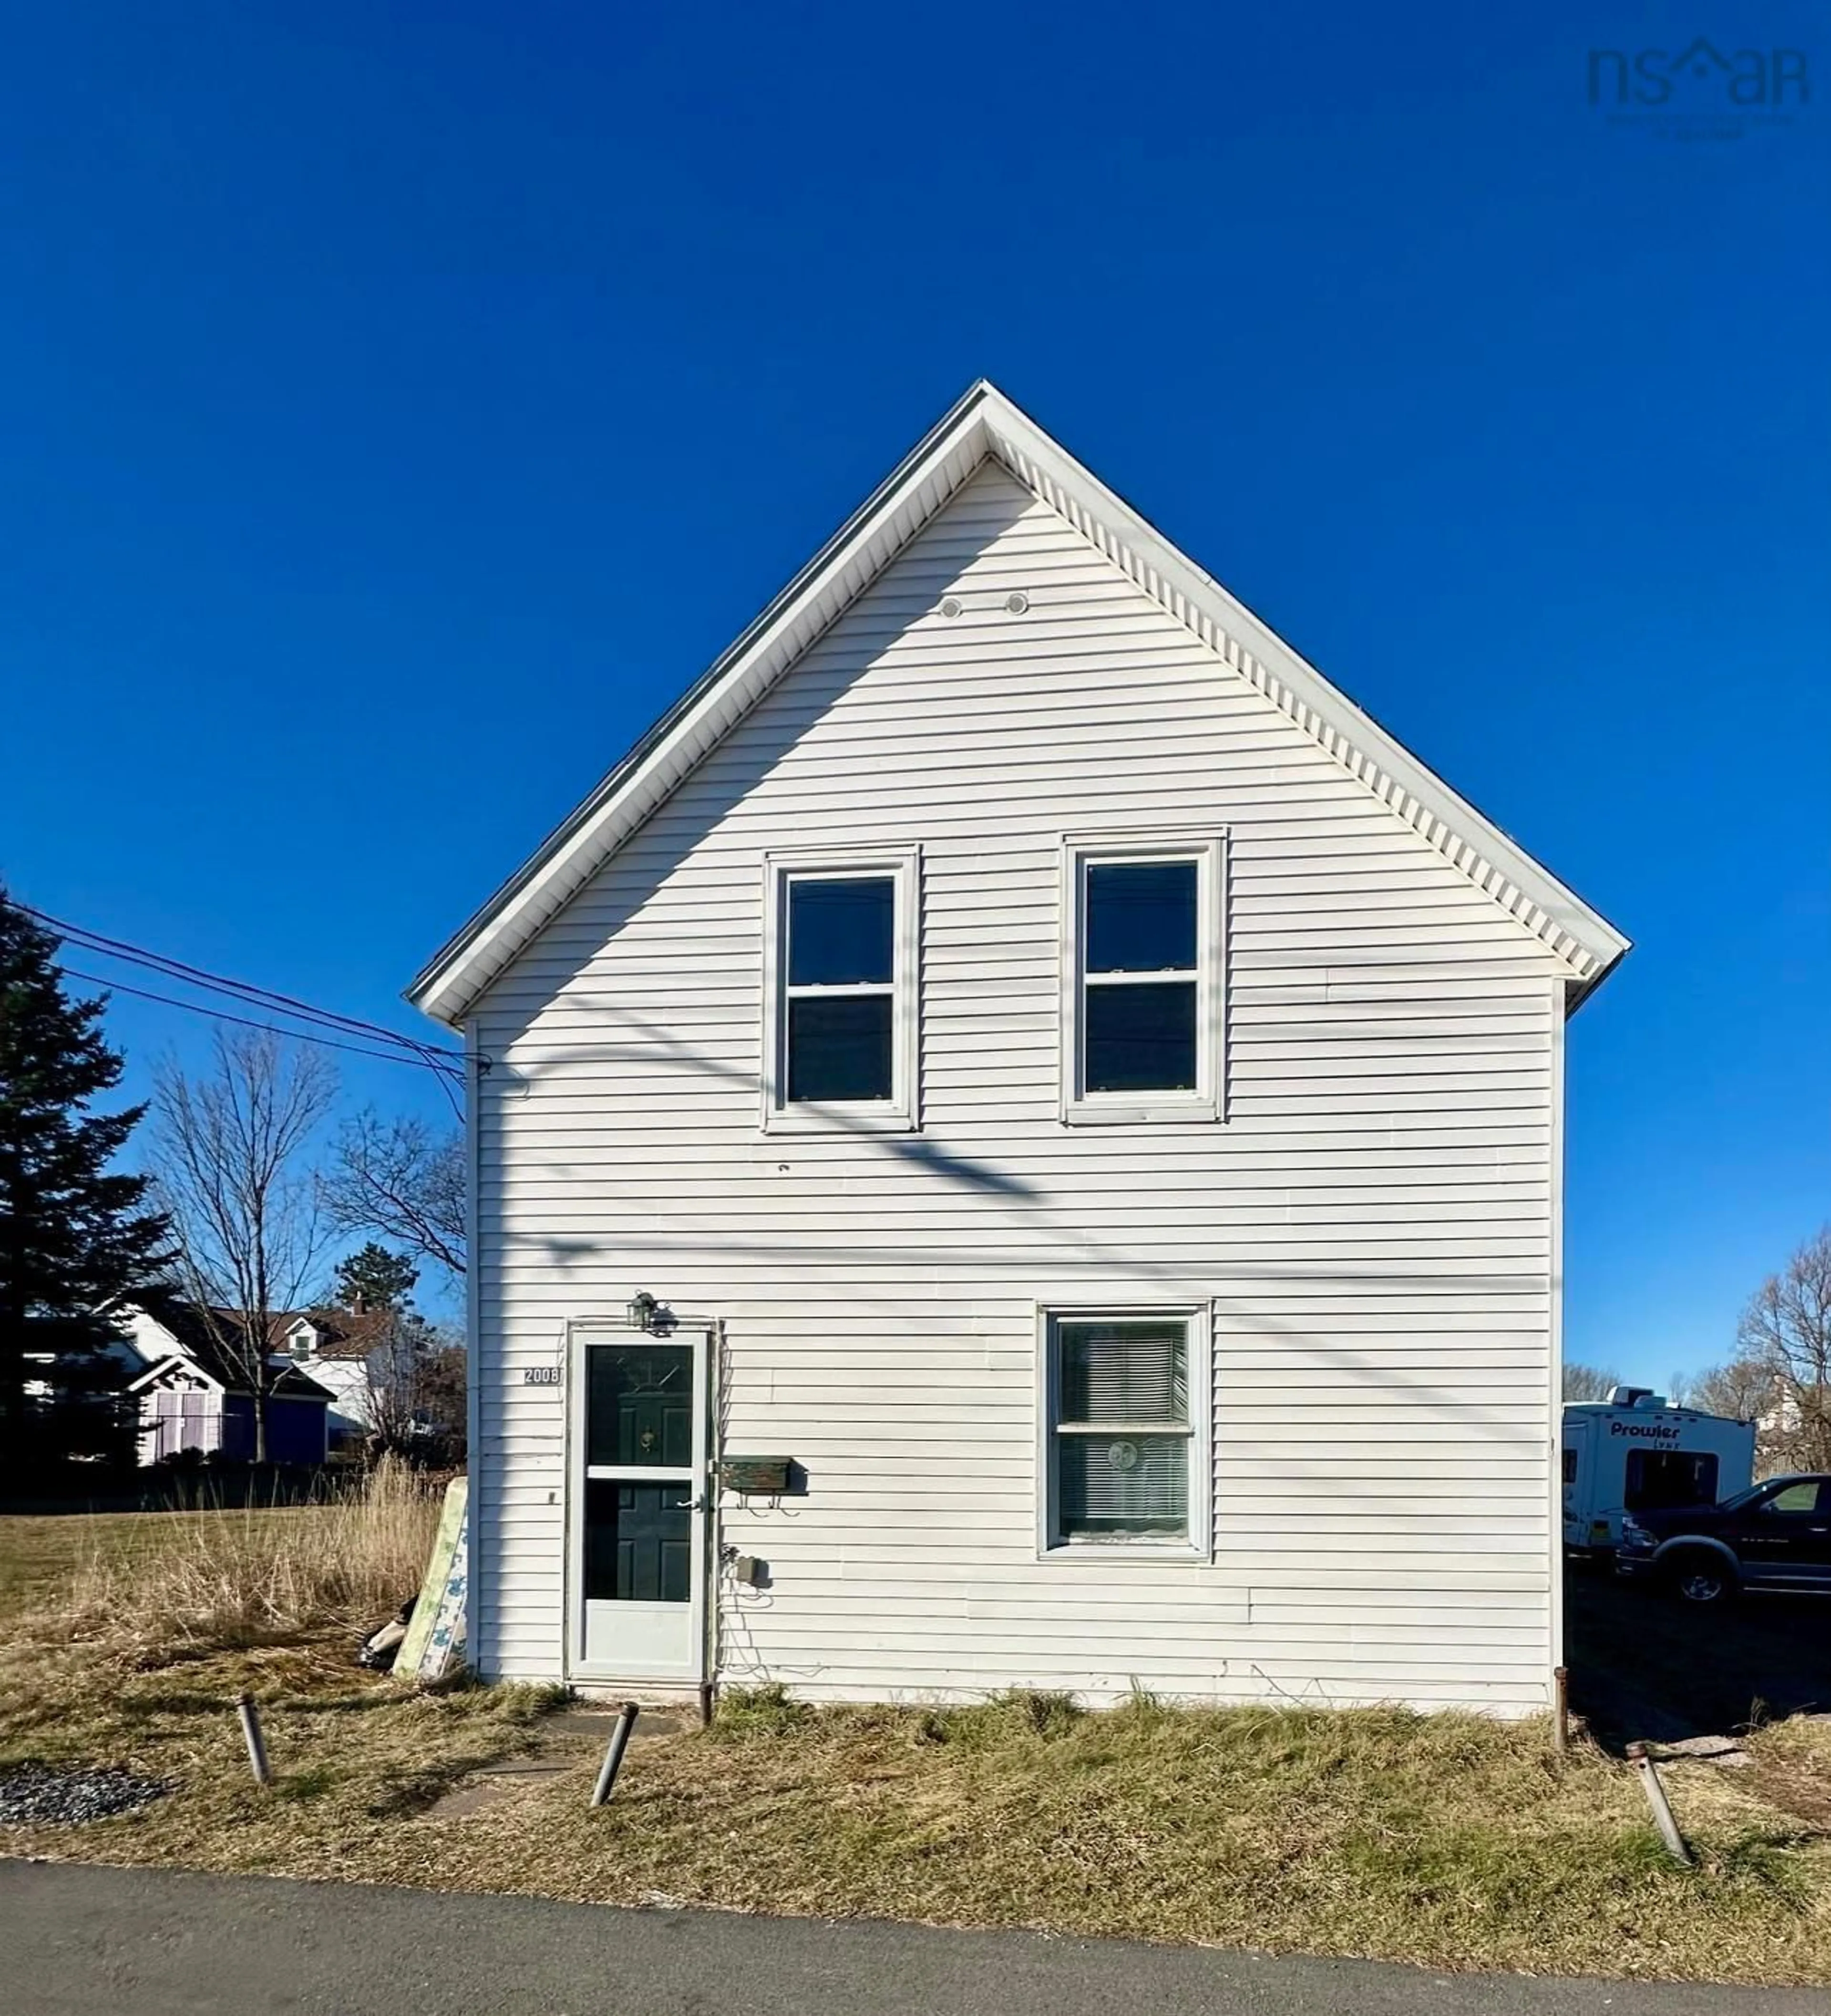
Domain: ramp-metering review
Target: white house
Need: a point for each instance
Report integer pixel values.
(192, 1394)
(337, 1349)
(1086, 1104)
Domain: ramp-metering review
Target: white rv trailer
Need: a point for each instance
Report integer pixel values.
(1636, 1452)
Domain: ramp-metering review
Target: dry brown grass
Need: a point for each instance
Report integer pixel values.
(1448, 1840)
(256, 1575)
(131, 1636)
(1792, 1765)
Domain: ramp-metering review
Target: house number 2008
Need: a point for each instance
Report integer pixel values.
(540, 1375)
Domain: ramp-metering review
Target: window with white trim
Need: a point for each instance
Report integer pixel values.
(840, 991)
(1142, 981)
(1124, 1448)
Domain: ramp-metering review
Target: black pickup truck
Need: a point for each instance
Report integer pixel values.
(1773, 1535)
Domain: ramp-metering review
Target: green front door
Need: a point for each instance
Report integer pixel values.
(640, 1505)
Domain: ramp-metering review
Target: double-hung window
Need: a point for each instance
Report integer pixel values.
(1125, 1449)
(840, 990)
(1142, 981)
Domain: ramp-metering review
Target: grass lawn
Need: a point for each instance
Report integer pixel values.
(1447, 1840)
(40, 1554)
(37, 1554)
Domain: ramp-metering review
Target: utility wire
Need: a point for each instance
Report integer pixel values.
(243, 991)
(447, 1067)
(443, 1071)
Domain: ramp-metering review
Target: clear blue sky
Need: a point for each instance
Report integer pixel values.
(398, 405)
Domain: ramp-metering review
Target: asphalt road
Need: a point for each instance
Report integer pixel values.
(87, 1941)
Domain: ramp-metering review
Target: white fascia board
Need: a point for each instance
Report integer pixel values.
(851, 560)
(1056, 476)
(179, 1360)
(984, 422)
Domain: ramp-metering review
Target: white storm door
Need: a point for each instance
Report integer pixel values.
(639, 1505)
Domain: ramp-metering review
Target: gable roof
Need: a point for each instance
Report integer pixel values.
(200, 1340)
(351, 1333)
(984, 426)
(219, 1370)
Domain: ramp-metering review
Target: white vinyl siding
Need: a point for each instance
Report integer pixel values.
(1370, 1230)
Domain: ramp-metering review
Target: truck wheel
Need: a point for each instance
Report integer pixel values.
(1701, 1578)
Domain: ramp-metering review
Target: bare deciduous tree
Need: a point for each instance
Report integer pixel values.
(415, 1392)
(1786, 1330)
(229, 1162)
(1588, 1382)
(392, 1373)
(443, 1373)
(403, 1179)
(1743, 1389)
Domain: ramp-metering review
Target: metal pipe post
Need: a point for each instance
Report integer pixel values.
(606, 1778)
(251, 1736)
(1656, 1798)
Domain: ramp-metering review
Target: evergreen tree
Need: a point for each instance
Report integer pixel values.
(72, 1236)
(375, 1282)
(375, 1279)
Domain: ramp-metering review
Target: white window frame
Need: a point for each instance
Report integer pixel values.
(901, 1113)
(1197, 1544)
(1208, 1099)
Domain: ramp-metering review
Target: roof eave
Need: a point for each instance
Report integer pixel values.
(446, 987)
(1580, 991)
(983, 421)
(1179, 579)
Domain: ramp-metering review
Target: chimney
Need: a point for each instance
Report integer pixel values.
(356, 1302)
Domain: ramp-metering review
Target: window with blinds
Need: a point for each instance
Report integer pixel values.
(1121, 1438)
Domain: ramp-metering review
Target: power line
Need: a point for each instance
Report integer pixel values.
(245, 992)
(447, 1067)
(443, 1071)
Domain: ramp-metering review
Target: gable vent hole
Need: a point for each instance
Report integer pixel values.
(952, 606)
(1017, 603)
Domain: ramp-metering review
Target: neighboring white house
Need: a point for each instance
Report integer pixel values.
(349, 1353)
(193, 1395)
(1087, 1103)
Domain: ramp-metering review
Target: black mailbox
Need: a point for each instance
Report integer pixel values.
(757, 1475)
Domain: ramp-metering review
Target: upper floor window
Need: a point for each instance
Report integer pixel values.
(840, 990)
(1141, 981)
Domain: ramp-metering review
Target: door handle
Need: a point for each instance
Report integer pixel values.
(690, 1504)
